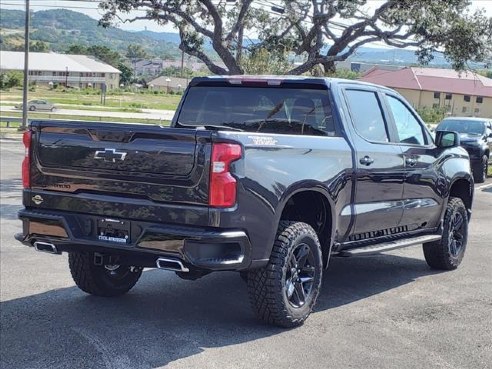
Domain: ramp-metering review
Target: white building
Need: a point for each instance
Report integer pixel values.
(73, 70)
(168, 84)
(150, 67)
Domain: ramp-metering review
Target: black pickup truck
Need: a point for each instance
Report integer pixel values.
(266, 176)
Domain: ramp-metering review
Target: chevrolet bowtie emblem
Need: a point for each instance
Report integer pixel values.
(110, 155)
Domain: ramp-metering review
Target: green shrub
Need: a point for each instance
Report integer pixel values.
(13, 78)
(432, 115)
(137, 105)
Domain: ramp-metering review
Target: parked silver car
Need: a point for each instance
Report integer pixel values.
(38, 105)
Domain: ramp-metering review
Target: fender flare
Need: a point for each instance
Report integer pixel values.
(308, 186)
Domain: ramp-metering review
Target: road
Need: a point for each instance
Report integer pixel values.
(387, 311)
(146, 113)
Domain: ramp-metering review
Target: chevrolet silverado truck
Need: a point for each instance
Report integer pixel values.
(265, 176)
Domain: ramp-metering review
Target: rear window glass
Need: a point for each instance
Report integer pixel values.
(260, 109)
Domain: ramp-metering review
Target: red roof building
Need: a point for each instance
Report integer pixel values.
(460, 93)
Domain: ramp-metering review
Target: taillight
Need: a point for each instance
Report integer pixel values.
(222, 184)
(26, 163)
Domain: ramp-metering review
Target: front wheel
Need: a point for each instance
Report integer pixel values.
(285, 291)
(104, 280)
(480, 172)
(448, 252)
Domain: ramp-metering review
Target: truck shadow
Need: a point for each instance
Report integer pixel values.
(165, 319)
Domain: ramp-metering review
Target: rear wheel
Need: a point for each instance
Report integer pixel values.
(106, 281)
(480, 172)
(285, 291)
(447, 253)
(32, 108)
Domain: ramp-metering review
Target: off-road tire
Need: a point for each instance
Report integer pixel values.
(480, 172)
(267, 287)
(244, 276)
(96, 280)
(440, 254)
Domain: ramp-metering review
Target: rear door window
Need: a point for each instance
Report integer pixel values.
(367, 115)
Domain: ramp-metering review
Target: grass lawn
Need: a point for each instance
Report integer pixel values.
(120, 100)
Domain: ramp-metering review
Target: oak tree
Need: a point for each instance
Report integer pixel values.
(317, 32)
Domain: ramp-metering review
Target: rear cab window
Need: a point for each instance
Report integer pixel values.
(272, 109)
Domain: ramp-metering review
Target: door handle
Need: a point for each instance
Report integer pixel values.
(366, 160)
(411, 162)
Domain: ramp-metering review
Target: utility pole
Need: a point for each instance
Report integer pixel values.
(182, 63)
(26, 70)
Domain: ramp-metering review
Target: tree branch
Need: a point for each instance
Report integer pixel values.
(240, 19)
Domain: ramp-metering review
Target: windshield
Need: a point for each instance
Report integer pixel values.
(259, 109)
(462, 126)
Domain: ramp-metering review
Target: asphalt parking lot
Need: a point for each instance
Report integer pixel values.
(387, 311)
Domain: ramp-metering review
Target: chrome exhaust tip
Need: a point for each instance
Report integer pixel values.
(171, 264)
(46, 247)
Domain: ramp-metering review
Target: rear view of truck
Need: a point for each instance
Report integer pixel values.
(128, 197)
(213, 192)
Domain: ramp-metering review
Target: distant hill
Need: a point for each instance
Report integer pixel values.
(60, 28)
(161, 36)
(394, 56)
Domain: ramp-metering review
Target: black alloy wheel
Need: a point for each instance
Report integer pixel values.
(300, 275)
(456, 234)
(448, 252)
(285, 291)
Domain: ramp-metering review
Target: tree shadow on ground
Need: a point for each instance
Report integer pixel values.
(165, 318)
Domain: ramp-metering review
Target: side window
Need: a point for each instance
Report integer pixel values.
(408, 127)
(367, 115)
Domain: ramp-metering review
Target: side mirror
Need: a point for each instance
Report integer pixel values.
(447, 139)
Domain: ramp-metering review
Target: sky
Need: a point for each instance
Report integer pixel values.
(89, 7)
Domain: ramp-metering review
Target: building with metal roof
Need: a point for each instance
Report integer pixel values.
(80, 71)
(459, 93)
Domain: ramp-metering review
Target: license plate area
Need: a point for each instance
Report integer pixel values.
(113, 230)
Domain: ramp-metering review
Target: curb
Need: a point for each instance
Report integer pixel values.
(483, 187)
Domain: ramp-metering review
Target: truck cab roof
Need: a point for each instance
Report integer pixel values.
(277, 80)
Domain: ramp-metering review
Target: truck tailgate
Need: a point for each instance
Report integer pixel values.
(161, 164)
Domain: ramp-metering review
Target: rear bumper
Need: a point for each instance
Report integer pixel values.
(206, 249)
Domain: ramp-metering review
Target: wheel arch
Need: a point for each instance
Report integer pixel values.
(313, 204)
(463, 189)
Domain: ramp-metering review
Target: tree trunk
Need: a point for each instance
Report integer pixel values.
(329, 67)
